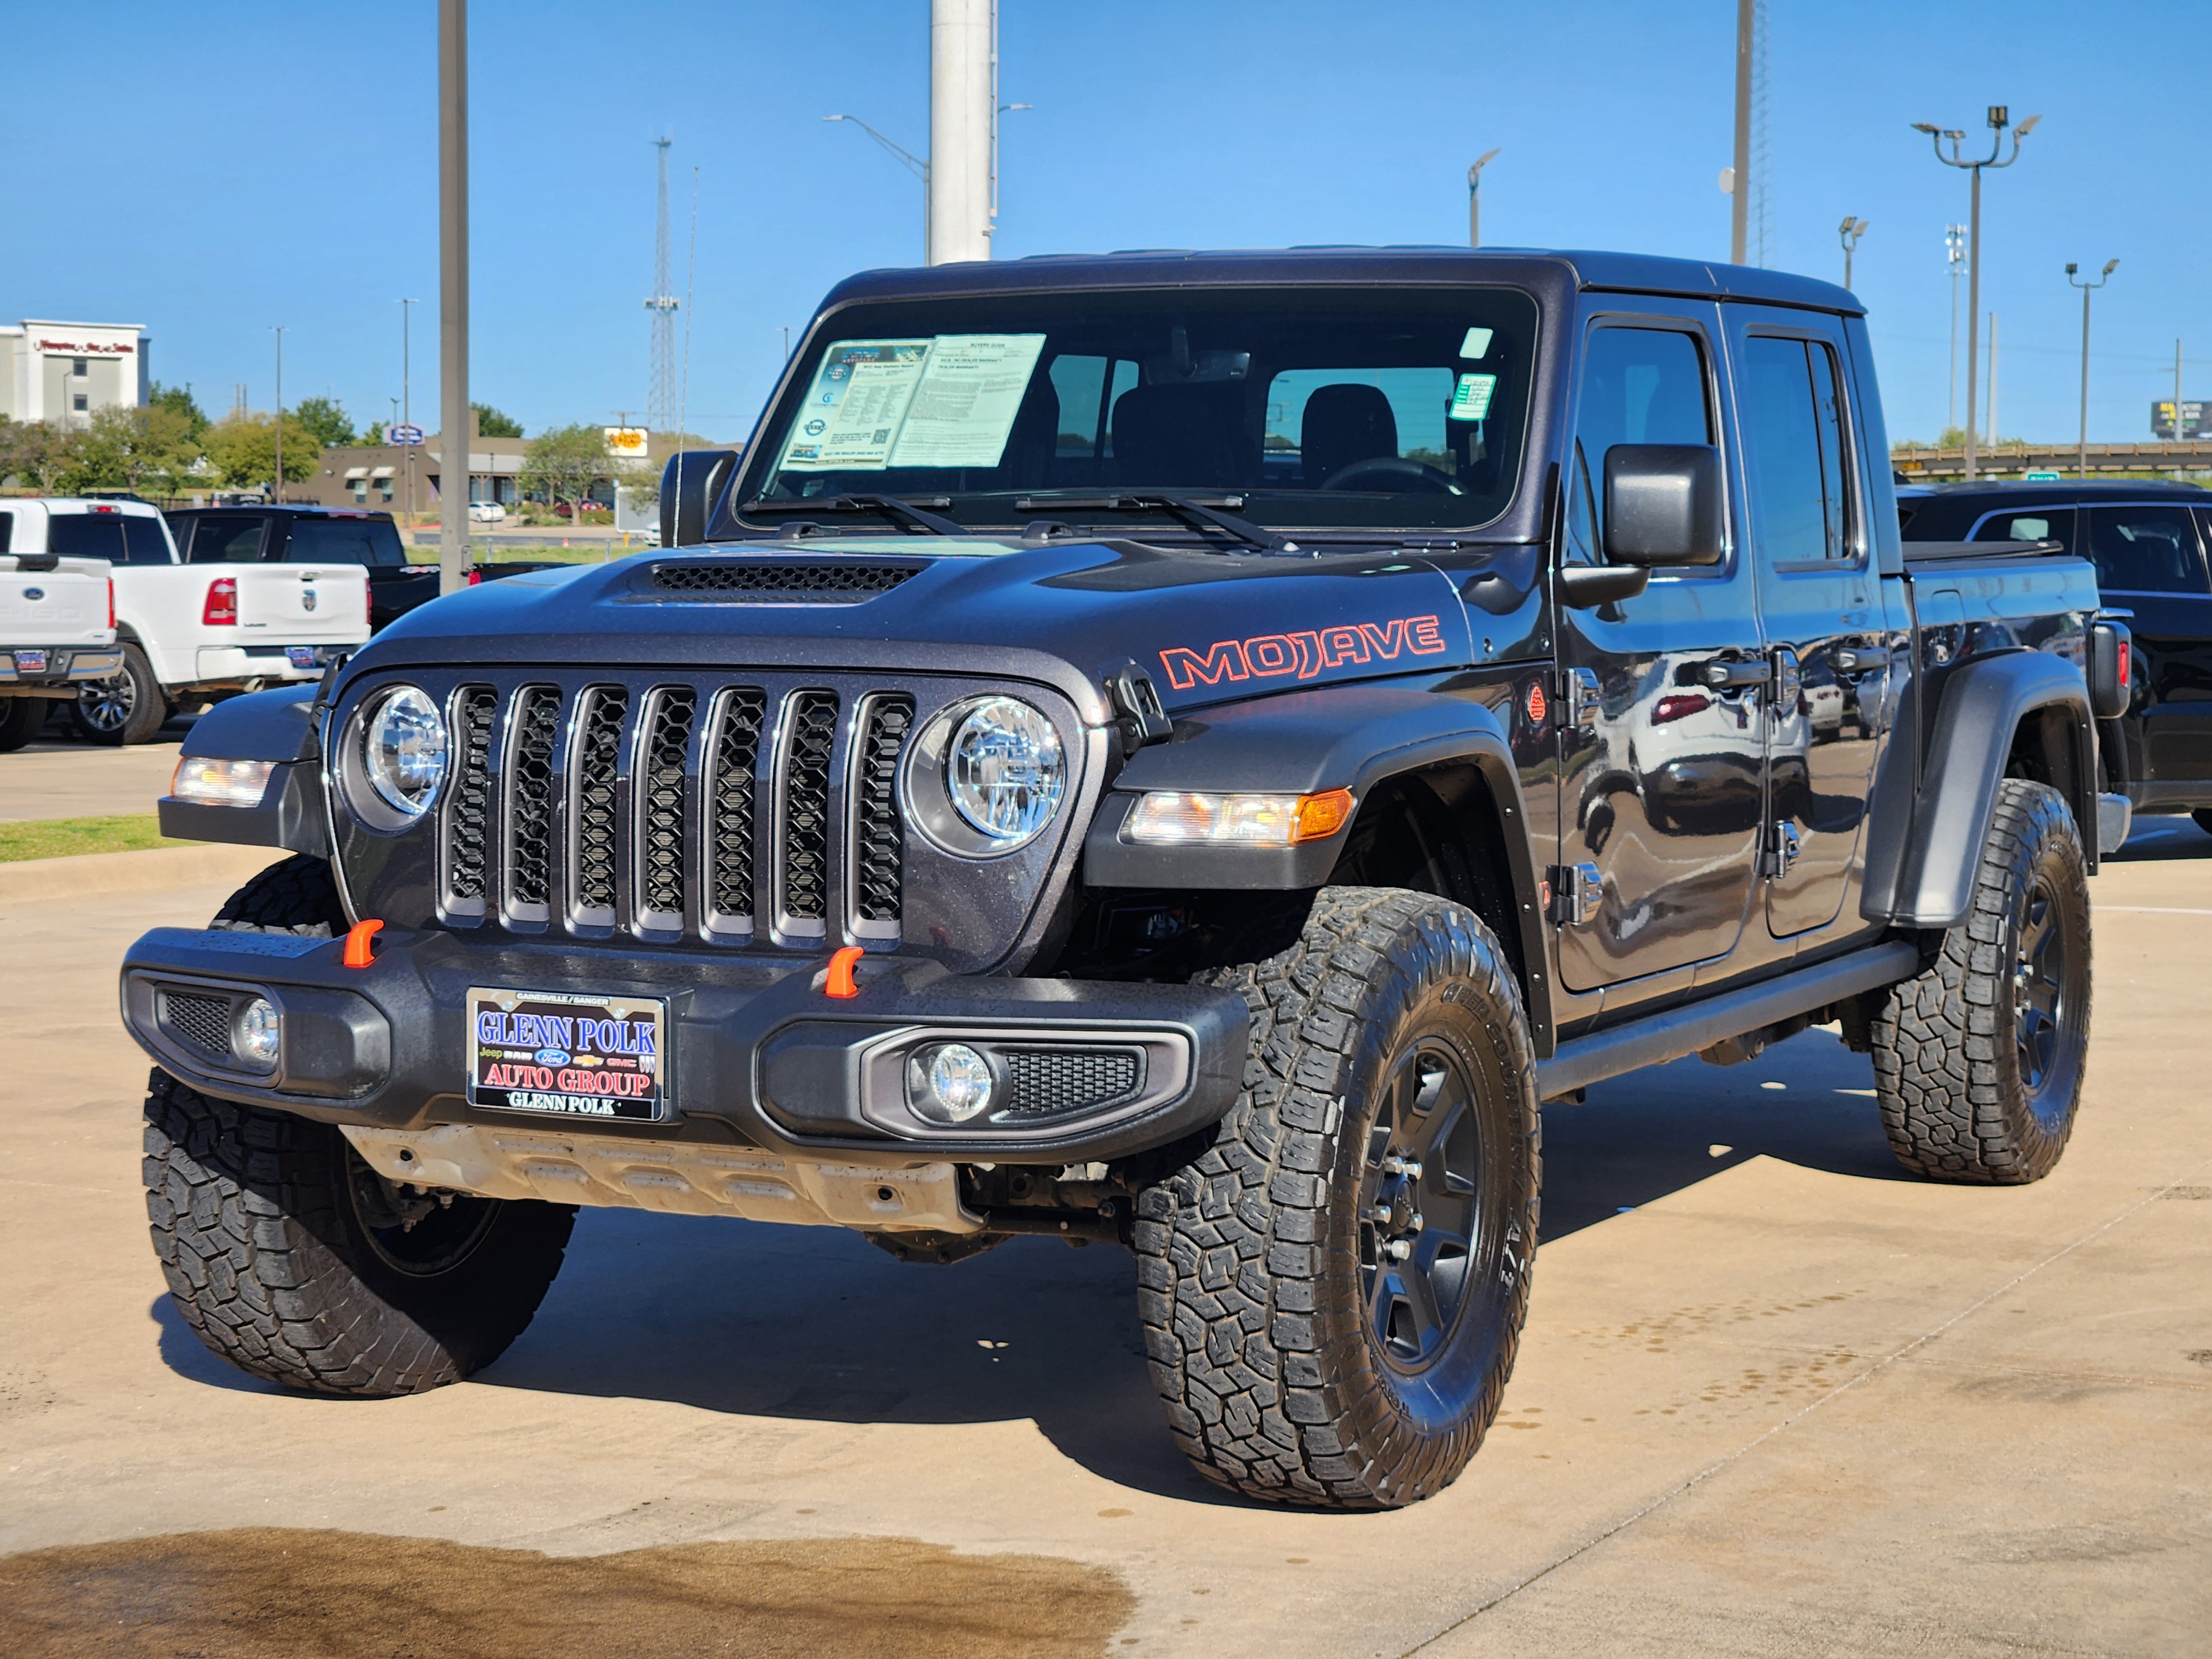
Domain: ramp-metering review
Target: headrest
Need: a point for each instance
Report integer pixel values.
(1177, 436)
(1345, 423)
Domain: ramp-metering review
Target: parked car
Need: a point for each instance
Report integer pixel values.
(182, 630)
(57, 632)
(2148, 542)
(487, 512)
(1032, 803)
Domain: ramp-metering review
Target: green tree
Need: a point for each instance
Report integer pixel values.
(564, 464)
(374, 435)
(243, 449)
(490, 423)
(39, 452)
(179, 399)
(326, 418)
(142, 450)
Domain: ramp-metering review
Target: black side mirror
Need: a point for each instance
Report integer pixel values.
(2110, 646)
(691, 484)
(1662, 504)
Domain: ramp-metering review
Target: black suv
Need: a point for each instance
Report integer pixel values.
(2148, 542)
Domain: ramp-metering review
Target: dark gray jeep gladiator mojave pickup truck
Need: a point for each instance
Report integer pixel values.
(1180, 750)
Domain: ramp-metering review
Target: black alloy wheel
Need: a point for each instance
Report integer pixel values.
(2039, 992)
(416, 1230)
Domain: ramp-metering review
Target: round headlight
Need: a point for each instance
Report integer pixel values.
(1006, 771)
(403, 752)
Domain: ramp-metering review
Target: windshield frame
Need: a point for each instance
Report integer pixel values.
(1434, 291)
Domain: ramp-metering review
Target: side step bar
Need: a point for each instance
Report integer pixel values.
(1658, 1038)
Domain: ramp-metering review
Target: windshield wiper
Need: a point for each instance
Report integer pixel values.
(907, 515)
(1196, 514)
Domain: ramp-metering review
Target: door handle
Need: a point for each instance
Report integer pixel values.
(1735, 676)
(1857, 658)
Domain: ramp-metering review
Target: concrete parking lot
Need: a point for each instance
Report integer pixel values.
(1774, 1398)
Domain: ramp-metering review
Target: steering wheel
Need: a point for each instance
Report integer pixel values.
(1412, 477)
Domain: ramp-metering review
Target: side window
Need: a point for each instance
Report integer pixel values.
(2146, 549)
(2045, 524)
(1080, 385)
(343, 541)
(1640, 386)
(7, 529)
(145, 538)
(227, 541)
(1795, 449)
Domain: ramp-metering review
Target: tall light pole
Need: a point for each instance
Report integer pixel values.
(963, 97)
(1740, 174)
(1999, 117)
(1475, 197)
(911, 162)
(1955, 253)
(1851, 230)
(2081, 466)
(407, 398)
(454, 294)
(276, 489)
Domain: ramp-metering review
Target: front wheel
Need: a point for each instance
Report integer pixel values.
(1333, 1292)
(127, 706)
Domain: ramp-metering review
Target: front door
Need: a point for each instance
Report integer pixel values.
(1662, 727)
(1821, 601)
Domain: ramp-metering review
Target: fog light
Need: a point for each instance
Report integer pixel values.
(950, 1084)
(255, 1034)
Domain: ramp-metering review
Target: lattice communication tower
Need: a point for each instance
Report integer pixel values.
(661, 414)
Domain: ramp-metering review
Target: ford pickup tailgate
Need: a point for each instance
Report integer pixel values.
(66, 605)
(300, 604)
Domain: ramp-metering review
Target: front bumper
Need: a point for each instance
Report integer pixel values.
(753, 1050)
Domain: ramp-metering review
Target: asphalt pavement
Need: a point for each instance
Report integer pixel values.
(1775, 1398)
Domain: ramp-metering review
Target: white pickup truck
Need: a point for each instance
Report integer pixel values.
(180, 630)
(57, 632)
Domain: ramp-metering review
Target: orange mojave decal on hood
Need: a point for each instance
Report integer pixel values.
(1302, 654)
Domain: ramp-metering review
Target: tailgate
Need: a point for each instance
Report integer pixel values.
(300, 604)
(52, 607)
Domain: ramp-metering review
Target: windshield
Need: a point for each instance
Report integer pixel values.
(1296, 408)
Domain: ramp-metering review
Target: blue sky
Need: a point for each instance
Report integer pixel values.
(212, 171)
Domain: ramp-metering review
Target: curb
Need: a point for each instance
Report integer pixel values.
(94, 875)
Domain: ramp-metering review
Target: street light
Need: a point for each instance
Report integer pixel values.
(1851, 230)
(1475, 197)
(907, 158)
(1999, 117)
(2081, 464)
(278, 489)
(1954, 255)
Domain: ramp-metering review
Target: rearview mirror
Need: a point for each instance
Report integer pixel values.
(691, 484)
(1662, 504)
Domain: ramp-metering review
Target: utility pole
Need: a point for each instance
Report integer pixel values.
(962, 112)
(2177, 391)
(277, 485)
(454, 294)
(1474, 198)
(1739, 174)
(1851, 231)
(1993, 381)
(2081, 464)
(407, 401)
(1955, 253)
(660, 399)
(1998, 118)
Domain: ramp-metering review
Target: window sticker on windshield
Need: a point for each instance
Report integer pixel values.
(1471, 400)
(1476, 345)
(972, 391)
(854, 408)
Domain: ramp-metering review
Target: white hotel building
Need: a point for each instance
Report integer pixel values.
(63, 372)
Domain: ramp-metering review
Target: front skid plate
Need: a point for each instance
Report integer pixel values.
(678, 1178)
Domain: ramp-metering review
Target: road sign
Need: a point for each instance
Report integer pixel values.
(626, 443)
(2043, 477)
(403, 435)
(2193, 423)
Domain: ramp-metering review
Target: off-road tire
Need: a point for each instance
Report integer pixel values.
(21, 719)
(129, 707)
(263, 1224)
(1253, 1260)
(1956, 1095)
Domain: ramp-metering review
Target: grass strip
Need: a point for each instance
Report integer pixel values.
(61, 838)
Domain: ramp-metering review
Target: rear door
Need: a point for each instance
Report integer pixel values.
(305, 599)
(372, 545)
(1820, 598)
(2150, 561)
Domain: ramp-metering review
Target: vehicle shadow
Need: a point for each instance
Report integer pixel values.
(2152, 839)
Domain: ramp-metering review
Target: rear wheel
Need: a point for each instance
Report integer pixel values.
(127, 706)
(21, 719)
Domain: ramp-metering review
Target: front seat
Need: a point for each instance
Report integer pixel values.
(1344, 423)
(1176, 437)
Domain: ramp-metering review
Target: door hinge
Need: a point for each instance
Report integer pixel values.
(1577, 889)
(1782, 849)
(1787, 679)
(1578, 691)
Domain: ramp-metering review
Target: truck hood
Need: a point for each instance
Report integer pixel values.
(1208, 627)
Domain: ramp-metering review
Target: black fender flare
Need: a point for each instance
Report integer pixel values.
(1924, 845)
(276, 726)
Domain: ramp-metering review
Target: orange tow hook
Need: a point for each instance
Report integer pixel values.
(358, 951)
(840, 982)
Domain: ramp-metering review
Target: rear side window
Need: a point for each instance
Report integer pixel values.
(344, 541)
(1794, 450)
(7, 529)
(2044, 524)
(87, 536)
(143, 536)
(227, 541)
(2146, 549)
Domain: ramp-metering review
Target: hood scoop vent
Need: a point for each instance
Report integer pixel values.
(780, 581)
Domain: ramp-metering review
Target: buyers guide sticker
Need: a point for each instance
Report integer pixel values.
(942, 401)
(567, 1057)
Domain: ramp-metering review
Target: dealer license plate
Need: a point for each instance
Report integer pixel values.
(30, 662)
(302, 656)
(563, 1055)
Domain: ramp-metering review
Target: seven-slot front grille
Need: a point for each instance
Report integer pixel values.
(733, 813)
